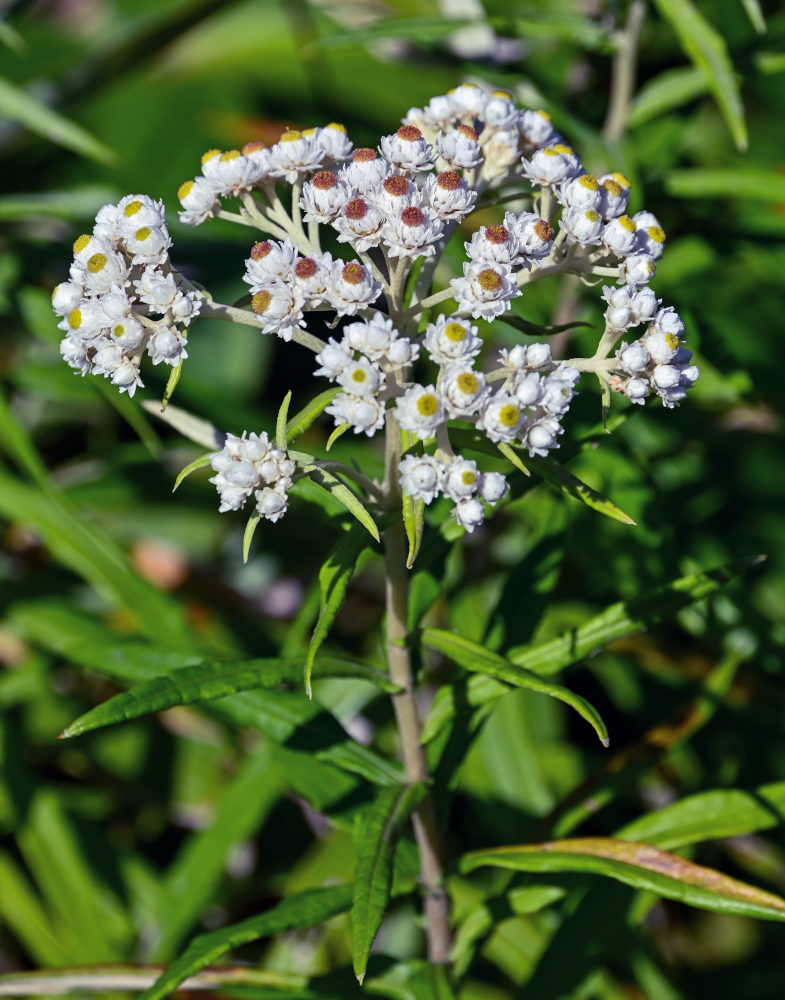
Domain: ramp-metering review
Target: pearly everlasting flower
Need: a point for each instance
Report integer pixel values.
(310, 278)
(361, 378)
(67, 296)
(359, 224)
(452, 340)
(128, 333)
(334, 358)
(268, 263)
(364, 414)
(551, 165)
(231, 172)
(333, 141)
(619, 236)
(636, 390)
(394, 194)
(493, 487)
(502, 152)
(485, 290)
(166, 344)
(469, 513)
(323, 197)
(279, 308)
(500, 111)
(200, 201)
(351, 288)
(373, 337)
(295, 155)
(501, 417)
(615, 191)
(628, 306)
(271, 502)
(637, 269)
(102, 270)
(420, 477)
(536, 128)
(420, 411)
(534, 235)
(650, 235)
(633, 358)
(156, 288)
(494, 244)
(582, 225)
(461, 479)
(448, 195)
(463, 391)
(365, 171)
(582, 192)
(149, 245)
(76, 354)
(467, 101)
(542, 436)
(459, 148)
(412, 233)
(407, 150)
(135, 211)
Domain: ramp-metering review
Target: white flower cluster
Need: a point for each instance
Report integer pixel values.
(249, 464)
(424, 477)
(658, 362)
(123, 297)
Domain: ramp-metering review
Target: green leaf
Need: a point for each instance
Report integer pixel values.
(207, 681)
(472, 656)
(742, 182)
(301, 421)
(752, 9)
(338, 432)
(248, 534)
(557, 475)
(202, 462)
(707, 50)
(430, 982)
(413, 511)
(624, 618)
(305, 909)
(710, 815)
(171, 382)
(334, 578)
(17, 105)
(539, 329)
(339, 490)
(24, 914)
(281, 426)
(512, 456)
(185, 423)
(667, 91)
(73, 204)
(640, 866)
(377, 829)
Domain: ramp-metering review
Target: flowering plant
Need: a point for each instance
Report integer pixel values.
(402, 367)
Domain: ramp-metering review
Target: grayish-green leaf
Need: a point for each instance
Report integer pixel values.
(640, 866)
(281, 425)
(17, 105)
(377, 829)
(305, 909)
(472, 656)
(339, 490)
(171, 382)
(202, 462)
(250, 528)
(706, 48)
(194, 428)
(336, 433)
(73, 204)
(301, 421)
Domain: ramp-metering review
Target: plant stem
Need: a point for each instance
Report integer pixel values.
(219, 311)
(623, 73)
(436, 905)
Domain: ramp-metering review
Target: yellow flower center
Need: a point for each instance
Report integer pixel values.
(291, 135)
(588, 181)
(119, 330)
(502, 93)
(657, 234)
(96, 263)
(75, 319)
(621, 179)
(358, 375)
(427, 404)
(261, 301)
(132, 208)
(468, 478)
(337, 126)
(210, 154)
(489, 280)
(467, 382)
(455, 332)
(230, 154)
(142, 234)
(564, 150)
(591, 215)
(626, 221)
(543, 114)
(672, 340)
(309, 131)
(81, 242)
(509, 415)
(185, 189)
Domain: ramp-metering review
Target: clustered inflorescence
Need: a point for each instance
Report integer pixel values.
(394, 207)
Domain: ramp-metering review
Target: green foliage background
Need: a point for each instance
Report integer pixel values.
(119, 846)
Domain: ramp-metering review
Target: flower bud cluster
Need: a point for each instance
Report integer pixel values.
(123, 297)
(249, 464)
(657, 363)
(424, 477)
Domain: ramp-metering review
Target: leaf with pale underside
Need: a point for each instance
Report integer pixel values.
(281, 424)
(638, 865)
(339, 490)
(250, 528)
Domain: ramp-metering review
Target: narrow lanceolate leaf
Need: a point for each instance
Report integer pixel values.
(743, 182)
(753, 10)
(625, 618)
(706, 49)
(171, 383)
(207, 681)
(512, 456)
(471, 656)
(17, 105)
(198, 463)
(301, 421)
(339, 490)
(339, 431)
(376, 832)
(250, 528)
(334, 578)
(194, 428)
(710, 816)
(668, 90)
(305, 909)
(281, 425)
(539, 329)
(413, 511)
(557, 475)
(640, 866)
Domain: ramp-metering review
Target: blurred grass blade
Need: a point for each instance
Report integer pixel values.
(333, 485)
(669, 90)
(301, 421)
(17, 105)
(640, 866)
(203, 462)
(196, 871)
(194, 428)
(624, 618)
(557, 475)
(430, 982)
(377, 829)
(706, 48)
(334, 578)
(250, 529)
(472, 656)
(742, 182)
(280, 422)
(710, 815)
(23, 913)
(205, 681)
(754, 12)
(304, 909)
(74, 204)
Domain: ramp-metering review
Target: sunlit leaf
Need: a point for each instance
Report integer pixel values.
(302, 420)
(190, 426)
(250, 529)
(281, 426)
(203, 462)
(339, 490)
(557, 475)
(740, 182)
